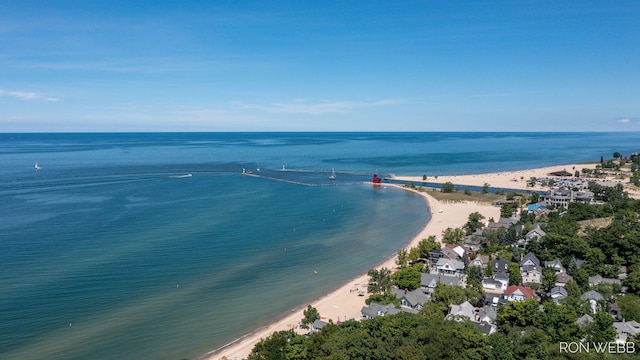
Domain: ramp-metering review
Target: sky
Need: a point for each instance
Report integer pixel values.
(218, 65)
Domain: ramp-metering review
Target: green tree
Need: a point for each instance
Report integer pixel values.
(485, 188)
(629, 307)
(515, 277)
(573, 289)
(407, 278)
(402, 258)
(549, 279)
(379, 281)
(311, 314)
(474, 223)
(534, 198)
(273, 347)
(519, 314)
(447, 187)
(600, 329)
(426, 246)
(632, 282)
(453, 236)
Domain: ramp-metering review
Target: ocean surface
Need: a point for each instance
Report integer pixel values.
(112, 251)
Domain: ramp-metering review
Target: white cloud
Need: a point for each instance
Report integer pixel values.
(624, 121)
(303, 107)
(27, 95)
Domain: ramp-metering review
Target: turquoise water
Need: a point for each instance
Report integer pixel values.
(107, 254)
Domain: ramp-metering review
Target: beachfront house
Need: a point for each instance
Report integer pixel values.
(563, 197)
(376, 309)
(318, 325)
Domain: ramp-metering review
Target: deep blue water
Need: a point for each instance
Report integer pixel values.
(107, 254)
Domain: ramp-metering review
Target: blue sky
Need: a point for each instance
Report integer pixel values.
(319, 65)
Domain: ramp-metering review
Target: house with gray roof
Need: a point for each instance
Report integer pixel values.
(318, 325)
(463, 310)
(497, 283)
(481, 261)
(584, 320)
(449, 267)
(428, 282)
(594, 299)
(376, 309)
(535, 233)
(414, 299)
(556, 265)
(597, 280)
(500, 265)
(530, 259)
(558, 293)
(626, 329)
(563, 278)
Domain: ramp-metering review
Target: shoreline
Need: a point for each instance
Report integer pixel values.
(343, 303)
(442, 215)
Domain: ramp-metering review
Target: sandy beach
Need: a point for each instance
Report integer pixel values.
(344, 303)
(506, 180)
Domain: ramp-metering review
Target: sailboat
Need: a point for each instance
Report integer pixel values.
(37, 167)
(333, 175)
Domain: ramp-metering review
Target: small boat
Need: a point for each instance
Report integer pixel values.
(181, 176)
(37, 167)
(333, 175)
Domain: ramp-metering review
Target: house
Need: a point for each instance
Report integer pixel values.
(411, 299)
(531, 274)
(577, 263)
(597, 280)
(563, 279)
(558, 293)
(491, 284)
(481, 261)
(503, 223)
(535, 233)
(530, 259)
(562, 197)
(449, 267)
(594, 298)
(518, 293)
(318, 325)
(584, 320)
(375, 309)
(555, 265)
(428, 282)
(625, 330)
(463, 310)
(486, 328)
(500, 265)
(473, 242)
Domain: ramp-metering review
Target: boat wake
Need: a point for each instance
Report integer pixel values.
(180, 176)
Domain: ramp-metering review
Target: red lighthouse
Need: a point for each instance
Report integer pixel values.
(376, 180)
